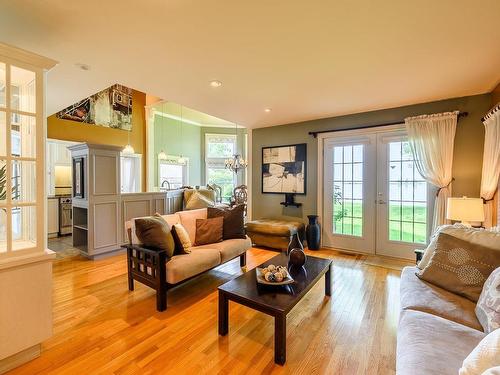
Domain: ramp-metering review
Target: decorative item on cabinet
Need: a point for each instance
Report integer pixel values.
(313, 233)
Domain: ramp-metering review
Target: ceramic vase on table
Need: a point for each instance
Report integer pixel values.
(313, 233)
(295, 252)
(295, 243)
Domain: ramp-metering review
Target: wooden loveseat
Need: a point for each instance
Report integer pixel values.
(154, 269)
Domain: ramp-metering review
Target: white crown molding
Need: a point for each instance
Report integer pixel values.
(26, 57)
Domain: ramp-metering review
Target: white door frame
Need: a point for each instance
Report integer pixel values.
(322, 138)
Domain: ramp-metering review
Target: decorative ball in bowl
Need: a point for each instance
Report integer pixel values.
(273, 275)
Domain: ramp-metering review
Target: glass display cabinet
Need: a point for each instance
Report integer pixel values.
(21, 158)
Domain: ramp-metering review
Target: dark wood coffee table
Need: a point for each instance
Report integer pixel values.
(276, 301)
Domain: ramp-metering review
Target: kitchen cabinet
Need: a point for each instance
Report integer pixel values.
(53, 217)
(58, 156)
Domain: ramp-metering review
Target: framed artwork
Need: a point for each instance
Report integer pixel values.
(284, 169)
(111, 107)
(78, 178)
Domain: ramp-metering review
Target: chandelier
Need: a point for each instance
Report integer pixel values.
(236, 163)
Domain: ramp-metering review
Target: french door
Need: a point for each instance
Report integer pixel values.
(374, 199)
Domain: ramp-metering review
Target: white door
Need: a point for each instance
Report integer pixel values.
(374, 199)
(404, 199)
(349, 193)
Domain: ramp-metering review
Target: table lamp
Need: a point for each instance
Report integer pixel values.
(465, 210)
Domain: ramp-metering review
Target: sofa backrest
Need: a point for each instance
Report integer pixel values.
(186, 218)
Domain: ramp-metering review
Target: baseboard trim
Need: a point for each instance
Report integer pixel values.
(20, 358)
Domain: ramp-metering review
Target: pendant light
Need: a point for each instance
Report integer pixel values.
(162, 155)
(128, 149)
(237, 163)
(182, 159)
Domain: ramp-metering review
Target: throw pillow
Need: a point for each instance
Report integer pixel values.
(198, 200)
(484, 356)
(492, 371)
(485, 237)
(208, 231)
(234, 223)
(154, 232)
(181, 239)
(459, 266)
(488, 305)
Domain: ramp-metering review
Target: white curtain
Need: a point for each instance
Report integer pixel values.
(431, 139)
(491, 162)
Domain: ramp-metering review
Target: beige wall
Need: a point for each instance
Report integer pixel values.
(495, 95)
(467, 160)
(79, 132)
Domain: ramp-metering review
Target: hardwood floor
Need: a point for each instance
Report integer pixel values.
(102, 328)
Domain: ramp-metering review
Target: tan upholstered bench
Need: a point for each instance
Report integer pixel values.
(274, 233)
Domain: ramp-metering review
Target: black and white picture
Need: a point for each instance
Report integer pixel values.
(284, 169)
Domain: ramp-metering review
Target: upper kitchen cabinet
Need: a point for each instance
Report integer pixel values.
(59, 178)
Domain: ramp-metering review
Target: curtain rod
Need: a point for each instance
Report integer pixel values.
(491, 112)
(315, 133)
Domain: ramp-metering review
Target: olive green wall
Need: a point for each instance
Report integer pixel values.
(467, 161)
(167, 137)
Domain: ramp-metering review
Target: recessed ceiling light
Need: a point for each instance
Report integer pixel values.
(267, 110)
(215, 83)
(82, 66)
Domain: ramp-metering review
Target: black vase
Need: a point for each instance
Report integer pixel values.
(313, 233)
(294, 244)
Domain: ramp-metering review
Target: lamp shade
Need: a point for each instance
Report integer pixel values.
(465, 209)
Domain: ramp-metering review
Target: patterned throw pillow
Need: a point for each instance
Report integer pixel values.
(459, 266)
(198, 200)
(488, 305)
(483, 357)
(181, 239)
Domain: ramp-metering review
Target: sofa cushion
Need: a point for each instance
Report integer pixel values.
(155, 233)
(460, 266)
(488, 305)
(188, 220)
(181, 239)
(208, 231)
(234, 220)
(429, 345)
(182, 267)
(210, 194)
(197, 200)
(422, 296)
(488, 238)
(230, 249)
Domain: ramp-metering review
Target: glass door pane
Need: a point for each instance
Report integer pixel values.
(348, 190)
(22, 90)
(407, 196)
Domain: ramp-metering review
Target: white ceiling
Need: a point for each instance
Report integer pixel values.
(303, 59)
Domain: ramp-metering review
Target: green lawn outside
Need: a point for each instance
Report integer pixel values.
(407, 221)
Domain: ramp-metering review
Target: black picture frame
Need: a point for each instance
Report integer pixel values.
(301, 156)
(78, 177)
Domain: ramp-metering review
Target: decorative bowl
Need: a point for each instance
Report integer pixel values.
(261, 280)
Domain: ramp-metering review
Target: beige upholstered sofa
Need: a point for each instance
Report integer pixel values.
(437, 328)
(153, 268)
